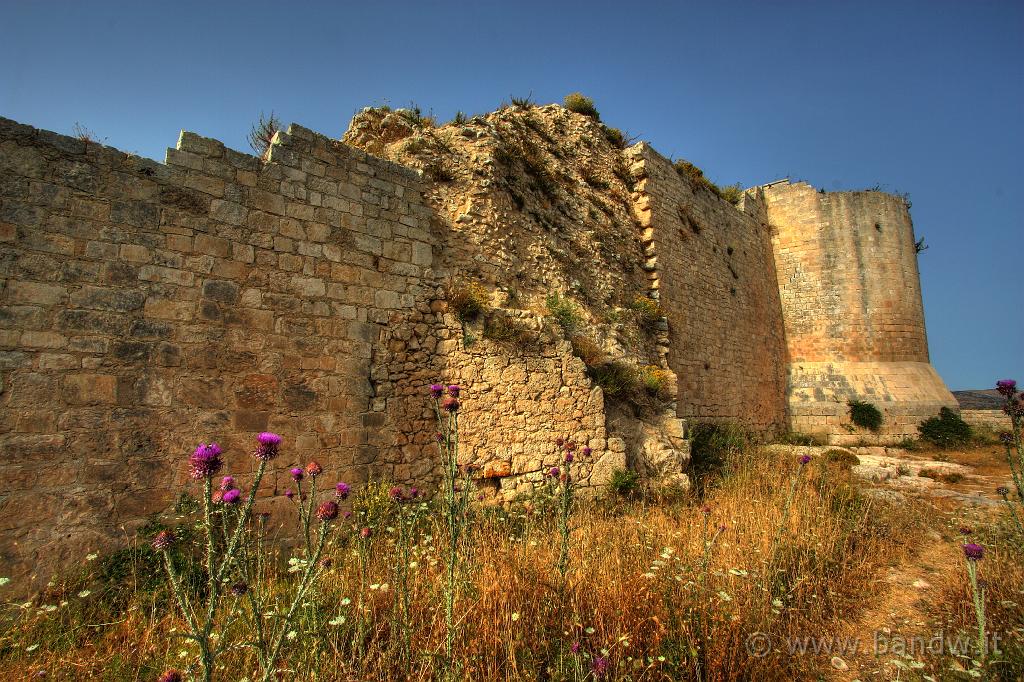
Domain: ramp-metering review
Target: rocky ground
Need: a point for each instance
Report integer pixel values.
(959, 489)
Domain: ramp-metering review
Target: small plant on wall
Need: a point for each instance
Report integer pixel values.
(467, 299)
(865, 415)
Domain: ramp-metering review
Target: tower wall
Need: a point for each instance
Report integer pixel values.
(852, 310)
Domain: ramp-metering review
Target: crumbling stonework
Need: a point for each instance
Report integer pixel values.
(145, 307)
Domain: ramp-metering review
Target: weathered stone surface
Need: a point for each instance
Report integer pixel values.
(223, 295)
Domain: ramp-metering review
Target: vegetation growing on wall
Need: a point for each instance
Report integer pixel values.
(581, 104)
(865, 415)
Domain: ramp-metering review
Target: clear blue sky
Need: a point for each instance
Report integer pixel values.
(920, 97)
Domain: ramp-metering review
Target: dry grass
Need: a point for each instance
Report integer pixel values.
(636, 592)
(1001, 574)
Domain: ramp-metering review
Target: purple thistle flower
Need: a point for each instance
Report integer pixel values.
(395, 494)
(205, 461)
(327, 511)
(347, 515)
(1006, 387)
(570, 446)
(342, 490)
(568, 457)
(267, 446)
(451, 404)
(805, 459)
(1003, 490)
(232, 496)
(239, 588)
(587, 451)
(600, 666)
(454, 390)
(313, 469)
(973, 552)
(227, 482)
(436, 391)
(575, 647)
(555, 472)
(296, 473)
(170, 676)
(414, 492)
(288, 493)
(163, 540)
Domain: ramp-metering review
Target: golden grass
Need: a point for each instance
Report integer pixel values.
(635, 593)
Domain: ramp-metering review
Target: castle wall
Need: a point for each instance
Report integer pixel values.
(852, 309)
(711, 267)
(145, 307)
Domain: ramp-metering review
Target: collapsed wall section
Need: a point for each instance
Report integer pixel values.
(710, 266)
(852, 308)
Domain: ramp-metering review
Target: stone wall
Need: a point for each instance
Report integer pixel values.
(146, 306)
(994, 420)
(516, 402)
(711, 267)
(852, 309)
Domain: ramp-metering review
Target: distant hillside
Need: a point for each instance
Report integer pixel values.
(988, 399)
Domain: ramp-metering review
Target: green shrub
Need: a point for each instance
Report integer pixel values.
(696, 175)
(865, 415)
(467, 299)
(648, 312)
(624, 482)
(581, 104)
(710, 444)
(732, 193)
(616, 137)
(615, 378)
(522, 102)
(947, 430)
(655, 380)
(565, 313)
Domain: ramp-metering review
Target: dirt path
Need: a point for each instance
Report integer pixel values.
(900, 611)
(898, 614)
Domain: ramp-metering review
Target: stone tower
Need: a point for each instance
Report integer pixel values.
(852, 311)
